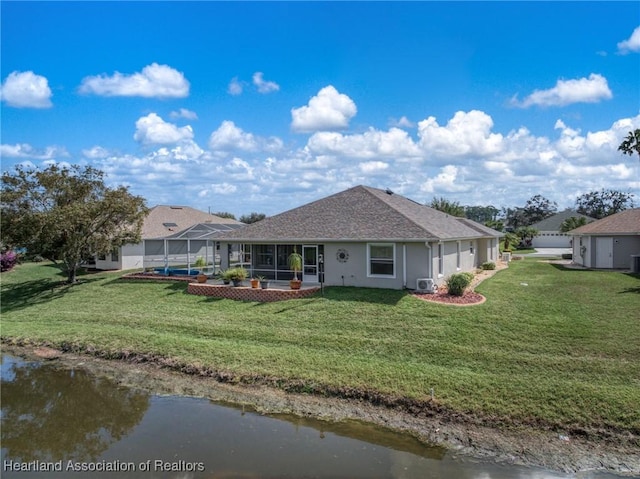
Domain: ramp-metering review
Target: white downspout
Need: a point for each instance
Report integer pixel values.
(404, 266)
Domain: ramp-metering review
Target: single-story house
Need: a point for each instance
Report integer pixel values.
(365, 237)
(549, 234)
(162, 221)
(608, 243)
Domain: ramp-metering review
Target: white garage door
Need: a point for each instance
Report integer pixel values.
(551, 240)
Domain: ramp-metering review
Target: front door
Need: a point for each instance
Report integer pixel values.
(310, 263)
(604, 253)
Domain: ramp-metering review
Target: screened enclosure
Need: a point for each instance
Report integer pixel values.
(191, 251)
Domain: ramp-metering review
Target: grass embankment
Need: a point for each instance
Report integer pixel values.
(562, 351)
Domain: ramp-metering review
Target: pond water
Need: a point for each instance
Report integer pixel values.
(60, 422)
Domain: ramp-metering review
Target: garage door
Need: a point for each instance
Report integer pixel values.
(552, 240)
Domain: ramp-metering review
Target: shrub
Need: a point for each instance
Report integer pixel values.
(489, 265)
(236, 274)
(200, 262)
(458, 283)
(8, 260)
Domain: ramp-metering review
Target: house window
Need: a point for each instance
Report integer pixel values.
(102, 257)
(440, 259)
(458, 255)
(115, 255)
(265, 256)
(471, 247)
(381, 259)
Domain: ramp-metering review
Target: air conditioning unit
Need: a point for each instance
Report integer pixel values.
(426, 285)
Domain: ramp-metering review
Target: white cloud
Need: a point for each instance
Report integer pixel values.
(446, 180)
(465, 160)
(264, 86)
(218, 189)
(466, 134)
(403, 122)
(583, 90)
(152, 129)
(235, 87)
(229, 137)
(24, 150)
(328, 110)
(183, 113)
(26, 90)
(96, 152)
(394, 143)
(632, 44)
(369, 167)
(155, 80)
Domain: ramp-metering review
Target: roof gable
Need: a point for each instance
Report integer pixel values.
(165, 220)
(626, 222)
(553, 223)
(360, 213)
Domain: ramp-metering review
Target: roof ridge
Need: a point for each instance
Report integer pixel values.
(401, 213)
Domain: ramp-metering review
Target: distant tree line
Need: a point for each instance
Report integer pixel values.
(595, 204)
(252, 217)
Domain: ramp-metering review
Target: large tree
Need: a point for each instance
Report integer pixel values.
(67, 214)
(598, 204)
(538, 208)
(481, 214)
(252, 218)
(452, 208)
(631, 144)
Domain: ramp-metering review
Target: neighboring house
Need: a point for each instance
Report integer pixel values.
(608, 243)
(162, 221)
(549, 234)
(365, 237)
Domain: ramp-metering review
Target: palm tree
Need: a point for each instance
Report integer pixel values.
(631, 144)
(572, 223)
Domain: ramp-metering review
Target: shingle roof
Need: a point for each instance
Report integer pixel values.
(357, 214)
(164, 220)
(553, 223)
(626, 222)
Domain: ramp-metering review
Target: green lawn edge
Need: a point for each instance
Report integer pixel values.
(551, 347)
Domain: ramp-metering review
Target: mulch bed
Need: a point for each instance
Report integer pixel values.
(469, 298)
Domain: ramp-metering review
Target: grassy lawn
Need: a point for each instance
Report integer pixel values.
(555, 347)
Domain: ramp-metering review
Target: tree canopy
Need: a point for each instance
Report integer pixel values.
(572, 223)
(631, 144)
(252, 218)
(67, 213)
(452, 208)
(598, 204)
(225, 214)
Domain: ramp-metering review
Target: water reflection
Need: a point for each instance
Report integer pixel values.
(49, 414)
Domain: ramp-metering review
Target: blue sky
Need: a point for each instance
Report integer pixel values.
(264, 106)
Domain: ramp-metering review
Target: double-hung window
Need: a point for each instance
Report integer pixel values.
(381, 260)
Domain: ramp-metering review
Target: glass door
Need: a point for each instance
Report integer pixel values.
(310, 263)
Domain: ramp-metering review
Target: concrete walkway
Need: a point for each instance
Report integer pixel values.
(547, 252)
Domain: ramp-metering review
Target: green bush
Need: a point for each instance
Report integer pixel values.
(458, 283)
(200, 262)
(489, 265)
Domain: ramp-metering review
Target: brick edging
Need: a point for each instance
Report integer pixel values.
(242, 293)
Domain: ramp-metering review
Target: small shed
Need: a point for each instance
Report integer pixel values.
(609, 243)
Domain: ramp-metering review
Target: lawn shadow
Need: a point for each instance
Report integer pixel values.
(29, 293)
(364, 295)
(175, 287)
(633, 289)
